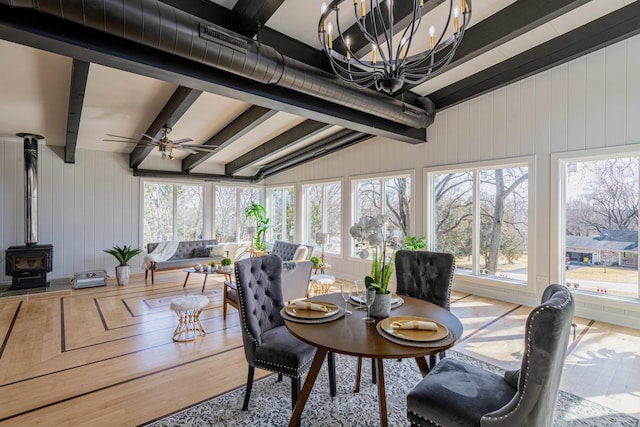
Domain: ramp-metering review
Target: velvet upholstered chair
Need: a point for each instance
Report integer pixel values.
(458, 394)
(267, 343)
(427, 276)
(424, 275)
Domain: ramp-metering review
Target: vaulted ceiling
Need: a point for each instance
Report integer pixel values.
(248, 78)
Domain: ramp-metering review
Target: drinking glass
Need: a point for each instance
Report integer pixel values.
(346, 289)
(370, 296)
(359, 293)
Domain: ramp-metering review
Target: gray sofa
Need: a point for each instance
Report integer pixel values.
(187, 254)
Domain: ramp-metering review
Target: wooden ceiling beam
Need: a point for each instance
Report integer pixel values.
(52, 34)
(604, 31)
(181, 100)
(291, 137)
(79, 73)
(513, 21)
(250, 15)
(243, 124)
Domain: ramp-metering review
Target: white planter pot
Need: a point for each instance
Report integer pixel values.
(122, 274)
(381, 306)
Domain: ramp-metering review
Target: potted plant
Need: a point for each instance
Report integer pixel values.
(413, 243)
(370, 235)
(123, 255)
(226, 265)
(315, 260)
(258, 213)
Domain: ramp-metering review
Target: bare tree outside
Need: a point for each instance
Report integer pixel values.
(173, 212)
(503, 233)
(601, 225)
(323, 214)
(390, 196)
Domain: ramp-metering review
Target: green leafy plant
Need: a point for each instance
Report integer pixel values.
(258, 213)
(369, 234)
(212, 263)
(315, 260)
(413, 243)
(226, 262)
(123, 254)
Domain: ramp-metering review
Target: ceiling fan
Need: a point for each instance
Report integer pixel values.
(164, 144)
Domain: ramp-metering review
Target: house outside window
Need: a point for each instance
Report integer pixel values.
(280, 208)
(599, 197)
(172, 212)
(323, 214)
(230, 221)
(390, 195)
(480, 214)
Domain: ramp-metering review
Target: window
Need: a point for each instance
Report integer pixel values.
(172, 212)
(323, 214)
(229, 218)
(280, 206)
(600, 224)
(480, 215)
(388, 195)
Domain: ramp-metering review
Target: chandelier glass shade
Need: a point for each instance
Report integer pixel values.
(394, 52)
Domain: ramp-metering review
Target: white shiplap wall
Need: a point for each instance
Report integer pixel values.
(590, 102)
(83, 207)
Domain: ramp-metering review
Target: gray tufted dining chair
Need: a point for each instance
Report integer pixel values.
(267, 342)
(427, 276)
(424, 275)
(462, 395)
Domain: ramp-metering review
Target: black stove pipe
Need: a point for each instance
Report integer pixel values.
(30, 187)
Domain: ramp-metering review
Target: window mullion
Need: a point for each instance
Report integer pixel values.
(475, 223)
(174, 192)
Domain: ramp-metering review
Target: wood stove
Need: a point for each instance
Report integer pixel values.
(28, 265)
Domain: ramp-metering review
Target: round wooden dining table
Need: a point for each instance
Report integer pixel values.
(350, 335)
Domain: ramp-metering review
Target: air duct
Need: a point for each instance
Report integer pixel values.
(161, 26)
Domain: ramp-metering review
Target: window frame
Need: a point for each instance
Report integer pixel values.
(353, 180)
(559, 162)
(268, 206)
(304, 219)
(239, 231)
(472, 278)
(174, 222)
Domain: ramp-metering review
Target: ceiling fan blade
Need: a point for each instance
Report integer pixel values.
(183, 140)
(119, 140)
(208, 148)
(123, 137)
(150, 137)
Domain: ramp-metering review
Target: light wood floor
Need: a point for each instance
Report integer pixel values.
(104, 356)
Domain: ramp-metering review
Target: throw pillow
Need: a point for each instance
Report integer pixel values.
(201, 252)
(218, 251)
(300, 254)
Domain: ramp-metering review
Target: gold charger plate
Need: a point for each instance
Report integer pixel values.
(413, 334)
(291, 310)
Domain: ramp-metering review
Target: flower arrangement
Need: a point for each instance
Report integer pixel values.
(369, 234)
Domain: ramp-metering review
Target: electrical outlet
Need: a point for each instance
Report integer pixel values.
(544, 279)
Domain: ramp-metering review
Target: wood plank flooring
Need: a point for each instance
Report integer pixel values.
(104, 356)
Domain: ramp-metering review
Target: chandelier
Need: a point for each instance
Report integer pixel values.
(396, 52)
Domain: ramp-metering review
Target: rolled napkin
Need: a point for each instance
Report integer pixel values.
(415, 324)
(306, 305)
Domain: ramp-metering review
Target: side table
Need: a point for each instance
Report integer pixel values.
(321, 267)
(189, 271)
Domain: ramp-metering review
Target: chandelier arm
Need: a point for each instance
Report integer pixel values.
(393, 67)
(387, 30)
(414, 28)
(344, 42)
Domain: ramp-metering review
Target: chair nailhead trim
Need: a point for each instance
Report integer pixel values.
(526, 378)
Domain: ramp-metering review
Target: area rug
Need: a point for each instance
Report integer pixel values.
(270, 403)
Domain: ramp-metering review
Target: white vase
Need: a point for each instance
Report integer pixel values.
(122, 274)
(381, 306)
